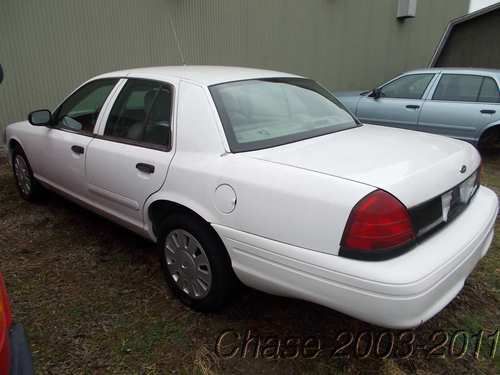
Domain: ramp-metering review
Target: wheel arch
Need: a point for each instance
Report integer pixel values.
(489, 127)
(495, 124)
(12, 143)
(160, 206)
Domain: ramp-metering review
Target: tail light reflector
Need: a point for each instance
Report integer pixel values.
(378, 226)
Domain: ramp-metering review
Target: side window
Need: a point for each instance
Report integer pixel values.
(489, 91)
(458, 88)
(407, 87)
(141, 113)
(80, 111)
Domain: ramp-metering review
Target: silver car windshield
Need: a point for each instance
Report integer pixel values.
(265, 113)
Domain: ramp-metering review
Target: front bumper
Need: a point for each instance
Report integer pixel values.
(402, 292)
(20, 354)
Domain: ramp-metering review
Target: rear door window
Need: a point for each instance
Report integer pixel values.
(458, 88)
(141, 114)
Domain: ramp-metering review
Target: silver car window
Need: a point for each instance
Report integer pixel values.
(408, 87)
(489, 91)
(458, 88)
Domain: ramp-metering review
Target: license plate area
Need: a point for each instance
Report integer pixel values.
(444, 208)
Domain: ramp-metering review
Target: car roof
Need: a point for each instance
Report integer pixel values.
(458, 71)
(201, 74)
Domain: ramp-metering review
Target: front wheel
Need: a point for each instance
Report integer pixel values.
(195, 263)
(29, 188)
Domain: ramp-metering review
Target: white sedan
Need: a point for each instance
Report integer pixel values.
(265, 177)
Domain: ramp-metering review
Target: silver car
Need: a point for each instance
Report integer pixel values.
(460, 103)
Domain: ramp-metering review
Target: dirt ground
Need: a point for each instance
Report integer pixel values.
(92, 299)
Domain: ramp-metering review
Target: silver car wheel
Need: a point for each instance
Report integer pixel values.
(188, 264)
(22, 174)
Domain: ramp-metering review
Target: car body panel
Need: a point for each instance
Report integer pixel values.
(463, 122)
(399, 113)
(399, 158)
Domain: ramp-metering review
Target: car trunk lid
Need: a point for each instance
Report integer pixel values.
(413, 166)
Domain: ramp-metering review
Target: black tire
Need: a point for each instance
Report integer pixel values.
(34, 192)
(223, 280)
(490, 140)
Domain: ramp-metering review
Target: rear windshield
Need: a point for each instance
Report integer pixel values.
(265, 113)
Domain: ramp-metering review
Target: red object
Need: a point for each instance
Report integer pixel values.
(5, 324)
(379, 222)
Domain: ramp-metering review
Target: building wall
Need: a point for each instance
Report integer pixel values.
(48, 47)
(473, 43)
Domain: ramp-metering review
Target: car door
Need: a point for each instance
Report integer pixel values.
(66, 141)
(129, 159)
(399, 103)
(461, 105)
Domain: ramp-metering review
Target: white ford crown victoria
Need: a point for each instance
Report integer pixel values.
(265, 177)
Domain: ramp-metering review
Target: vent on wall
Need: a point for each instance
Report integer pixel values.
(407, 9)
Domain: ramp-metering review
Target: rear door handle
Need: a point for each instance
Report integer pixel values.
(77, 149)
(488, 111)
(412, 106)
(145, 168)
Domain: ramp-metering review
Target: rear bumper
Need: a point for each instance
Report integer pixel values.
(21, 361)
(398, 293)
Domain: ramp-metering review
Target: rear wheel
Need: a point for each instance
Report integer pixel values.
(490, 140)
(29, 188)
(195, 263)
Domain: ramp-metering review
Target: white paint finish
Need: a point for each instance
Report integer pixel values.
(480, 4)
(117, 186)
(63, 167)
(201, 74)
(293, 201)
(413, 166)
(225, 199)
(399, 293)
(288, 204)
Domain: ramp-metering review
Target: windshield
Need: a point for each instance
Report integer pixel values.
(265, 113)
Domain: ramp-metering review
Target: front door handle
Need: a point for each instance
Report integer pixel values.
(77, 149)
(145, 168)
(412, 106)
(488, 111)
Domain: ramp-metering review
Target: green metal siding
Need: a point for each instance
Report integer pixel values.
(49, 47)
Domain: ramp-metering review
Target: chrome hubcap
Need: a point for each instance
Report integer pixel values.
(188, 264)
(22, 174)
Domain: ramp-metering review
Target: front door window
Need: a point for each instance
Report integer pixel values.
(80, 111)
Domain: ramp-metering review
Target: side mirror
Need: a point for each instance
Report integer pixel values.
(42, 117)
(376, 93)
(1, 73)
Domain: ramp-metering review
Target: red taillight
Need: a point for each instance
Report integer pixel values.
(5, 323)
(378, 224)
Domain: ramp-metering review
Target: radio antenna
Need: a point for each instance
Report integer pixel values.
(176, 38)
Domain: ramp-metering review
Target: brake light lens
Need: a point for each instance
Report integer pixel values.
(379, 224)
(5, 323)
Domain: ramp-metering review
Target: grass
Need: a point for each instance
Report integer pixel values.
(93, 301)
